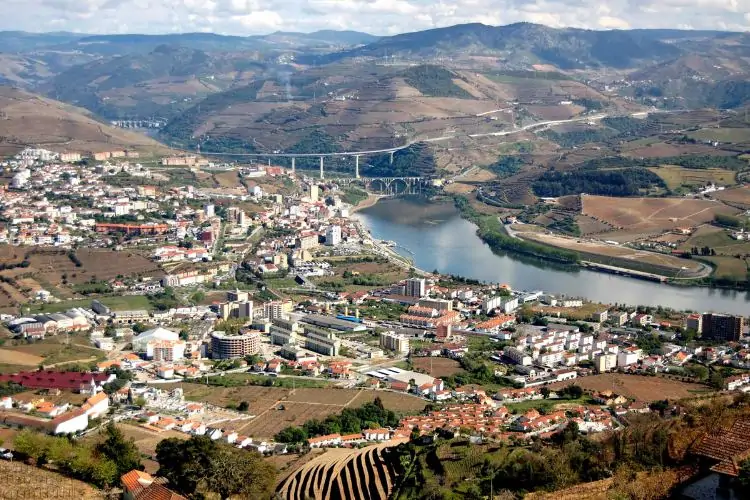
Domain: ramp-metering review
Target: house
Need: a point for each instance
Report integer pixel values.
(351, 438)
(139, 485)
(214, 433)
(242, 441)
(377, 434)
(96, 405)
(231, 437)
(324, 441)
(70, 422)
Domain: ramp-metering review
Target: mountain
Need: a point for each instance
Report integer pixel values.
(21, 41)
(155, 84)
(321, 38)
(29, 119)
(525, 44)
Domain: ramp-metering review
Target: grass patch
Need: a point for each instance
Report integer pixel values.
(675, 176)
(121, 303)
(546, 404)
(722, 134)
(728, 267)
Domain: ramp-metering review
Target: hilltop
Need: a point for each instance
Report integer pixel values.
(29, 119)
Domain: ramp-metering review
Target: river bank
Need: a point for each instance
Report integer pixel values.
(434, 235)
(368, 202)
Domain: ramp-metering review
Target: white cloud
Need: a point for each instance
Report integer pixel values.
(249, 17)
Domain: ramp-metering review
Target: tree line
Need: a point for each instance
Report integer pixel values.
(624, 182)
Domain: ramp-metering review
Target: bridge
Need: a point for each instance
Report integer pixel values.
(387, 185)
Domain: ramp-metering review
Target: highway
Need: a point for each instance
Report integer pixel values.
(518, 130)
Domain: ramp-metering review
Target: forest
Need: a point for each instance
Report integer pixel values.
(624, 182)
(434, 81)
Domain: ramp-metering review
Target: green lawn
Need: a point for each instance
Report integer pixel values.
(121, 303)
(547, 404)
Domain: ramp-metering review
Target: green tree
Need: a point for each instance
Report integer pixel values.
(31, 444)
(119, 450)
(243, 474)
(243, 406)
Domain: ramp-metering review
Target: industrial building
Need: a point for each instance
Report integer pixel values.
(341, 325)
(225, 346)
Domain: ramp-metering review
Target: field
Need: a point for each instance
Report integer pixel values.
(674, 176)
(642, 215)
(120, 303)
(736, 196)
(733, 135)
(21, 481)
(437, 367)
(637, 387)
(342, 473)
(669, 262)
(50, 351)
(299, 405)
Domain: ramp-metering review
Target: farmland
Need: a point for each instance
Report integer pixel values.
(32, 482)
(52, 350)
(637, 387)
(652, 214)
(437, 367)
(275, 408)
(342, 473)
(675, 177)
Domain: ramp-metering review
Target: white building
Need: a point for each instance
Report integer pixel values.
(394, 342)
(628, 356)
(333, 235)
(70, 422)
(416, 287)
(140, 343)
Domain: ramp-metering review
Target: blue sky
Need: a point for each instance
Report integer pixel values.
(380, 17)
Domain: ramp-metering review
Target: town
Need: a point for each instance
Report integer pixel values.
(275, 289)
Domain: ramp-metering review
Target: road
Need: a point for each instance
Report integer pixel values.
(518, 130)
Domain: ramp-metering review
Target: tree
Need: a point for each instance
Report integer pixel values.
(121, 451)
(744, 476)
(243, 406)
(199, 465)
(243, 474)
(291, 434)
(545, 392)
(31, 444)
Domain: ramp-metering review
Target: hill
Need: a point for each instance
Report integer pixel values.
(29, 119)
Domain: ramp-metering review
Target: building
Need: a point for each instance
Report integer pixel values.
(694, 322)
(437, 304)
(277, 309)
(83, 382)
(600, 316)
(605, 362)
(628, 356)
(140, 343)
(130, 317)
(138, 485)
(394, 342)
(209, 210)
(166, 350)
(225, 346)
(321, 341)
(333, 235)
(284, 332)
(236, 309)
(100, 308)
(342, 325)
(722, 326)
(314, 193)
(416, 287)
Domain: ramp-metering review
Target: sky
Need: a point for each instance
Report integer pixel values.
(379, 17)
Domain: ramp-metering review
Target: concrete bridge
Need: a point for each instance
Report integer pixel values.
(387, 185)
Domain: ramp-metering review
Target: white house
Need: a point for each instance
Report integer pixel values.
(97, 405)
(628, 356)
(329, 440)
(71, 422)
(377, 434)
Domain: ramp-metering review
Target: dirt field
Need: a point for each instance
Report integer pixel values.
(620, 252)
(29, 482)
(19, 358)
(437, 367)
(300, 405)
(674, 176)
(735, 196)
(652, 214)
(638, 387)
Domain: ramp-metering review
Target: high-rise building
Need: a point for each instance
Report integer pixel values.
(394, 342)
(333, 235)
(694, 322)
(209, 210)
(416, 287)
(225, 346)
(314, 193)
(722, 326)
(277, 309)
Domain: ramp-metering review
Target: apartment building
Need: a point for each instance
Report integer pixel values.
(225, 346)
(394, 342)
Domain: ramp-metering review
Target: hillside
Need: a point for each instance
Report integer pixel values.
(157, 83)
(32, 482)
(29, 119)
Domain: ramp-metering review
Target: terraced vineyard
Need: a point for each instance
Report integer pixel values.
(342, 474)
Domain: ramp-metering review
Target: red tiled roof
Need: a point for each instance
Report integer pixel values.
(71, 381)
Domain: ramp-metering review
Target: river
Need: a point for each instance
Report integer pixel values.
(436, 237)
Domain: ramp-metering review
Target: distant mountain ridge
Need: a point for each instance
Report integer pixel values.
(566, 48)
